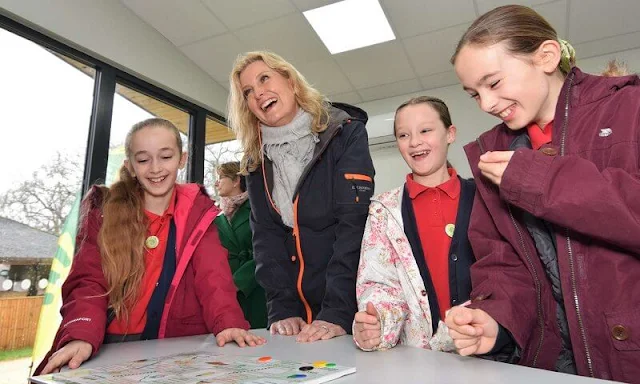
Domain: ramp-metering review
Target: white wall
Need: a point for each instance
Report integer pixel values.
(465, 114)
(109, 30)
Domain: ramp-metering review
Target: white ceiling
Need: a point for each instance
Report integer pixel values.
(213, 32)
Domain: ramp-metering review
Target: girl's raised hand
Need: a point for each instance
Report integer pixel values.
(493, 164)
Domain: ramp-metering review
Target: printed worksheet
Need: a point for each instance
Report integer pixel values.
(202, 368)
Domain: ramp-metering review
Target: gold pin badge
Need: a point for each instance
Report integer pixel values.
(151, 242)
(449, 229)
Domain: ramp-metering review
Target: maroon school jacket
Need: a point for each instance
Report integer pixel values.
(586, 183)
(202, 296)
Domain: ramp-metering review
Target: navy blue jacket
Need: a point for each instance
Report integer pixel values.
(310, 271)
(460, 252)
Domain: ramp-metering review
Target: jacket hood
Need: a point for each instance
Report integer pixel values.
(342, 111)
(589, 88)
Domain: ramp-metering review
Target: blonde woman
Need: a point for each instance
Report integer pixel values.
(310, 178)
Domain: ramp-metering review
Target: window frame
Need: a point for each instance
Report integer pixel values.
(106, 77)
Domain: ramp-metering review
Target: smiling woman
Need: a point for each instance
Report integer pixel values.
(310, 178)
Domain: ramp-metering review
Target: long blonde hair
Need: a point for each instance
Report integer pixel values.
(244, 122)
(124, 229)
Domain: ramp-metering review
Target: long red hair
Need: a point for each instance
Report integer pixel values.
(124, 228)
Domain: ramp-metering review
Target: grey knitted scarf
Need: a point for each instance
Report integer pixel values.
(290, 148)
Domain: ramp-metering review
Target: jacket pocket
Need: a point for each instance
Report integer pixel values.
(623, 330)
(353, 187)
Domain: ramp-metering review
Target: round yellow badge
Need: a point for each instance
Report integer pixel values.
(449, 229)
(152, 242)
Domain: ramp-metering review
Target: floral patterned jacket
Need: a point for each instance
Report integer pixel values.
(389, 278)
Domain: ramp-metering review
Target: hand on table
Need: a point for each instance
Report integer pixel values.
(288, 327)
(366, 330)
(75, 353)
(240, 336)
(319, 330)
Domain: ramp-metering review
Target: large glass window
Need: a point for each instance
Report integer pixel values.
(45, 111)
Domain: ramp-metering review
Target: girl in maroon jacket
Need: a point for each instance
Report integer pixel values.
(149, 263)
(556, 216)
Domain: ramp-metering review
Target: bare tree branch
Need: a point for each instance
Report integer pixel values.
(44, 201)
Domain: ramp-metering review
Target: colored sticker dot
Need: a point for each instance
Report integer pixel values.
(306, 368)
(297, 376)
(264, 359)
(331, 365)
(320, 364)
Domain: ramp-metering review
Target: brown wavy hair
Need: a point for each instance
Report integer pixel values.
(243, 121)
(124, 229)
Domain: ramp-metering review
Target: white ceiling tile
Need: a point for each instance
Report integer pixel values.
(325, 76)
(430, 53)
(390, 90)
(596, 19)
(375, 65)
(291, 37)
(606, 46)
(556, 14)
(411, 18)
(487, 5)
(216, 55)
(305, 5)
(241, 13)
(440, 80)
(349, 98)
(180, 22)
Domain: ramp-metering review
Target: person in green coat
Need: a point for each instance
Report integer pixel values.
(235, 235)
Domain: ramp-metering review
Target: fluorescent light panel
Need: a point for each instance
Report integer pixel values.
(350, 24)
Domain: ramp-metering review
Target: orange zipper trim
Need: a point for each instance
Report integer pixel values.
(296, 235)
(357, 176)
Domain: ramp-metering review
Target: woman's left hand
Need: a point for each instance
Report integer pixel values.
(319, 330)
(493, 164)
(240, 336)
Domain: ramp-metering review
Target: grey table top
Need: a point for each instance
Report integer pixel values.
(398, 365)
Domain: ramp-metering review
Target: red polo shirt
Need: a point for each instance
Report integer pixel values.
(540, 137)
(435, 208)
(153, 259)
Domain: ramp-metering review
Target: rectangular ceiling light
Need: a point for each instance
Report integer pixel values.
(350, 24)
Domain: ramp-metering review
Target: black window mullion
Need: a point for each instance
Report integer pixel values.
(197, 133)
(100, 128)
